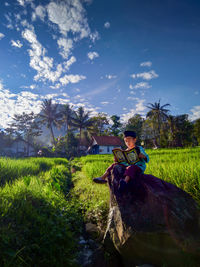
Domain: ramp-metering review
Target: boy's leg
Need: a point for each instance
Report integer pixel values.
(132, 172)
(108, 171)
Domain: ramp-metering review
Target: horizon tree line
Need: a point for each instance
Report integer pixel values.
(158, 129)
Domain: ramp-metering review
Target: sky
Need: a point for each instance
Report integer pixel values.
(110, 56)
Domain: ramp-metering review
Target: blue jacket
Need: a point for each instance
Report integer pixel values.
(142, 162)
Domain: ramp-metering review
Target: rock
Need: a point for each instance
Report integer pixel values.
(152, 222)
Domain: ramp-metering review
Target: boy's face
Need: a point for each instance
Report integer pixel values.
(130, 141)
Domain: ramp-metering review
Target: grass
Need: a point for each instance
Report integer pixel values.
(39, 226)
(42, 206)
(177, 166)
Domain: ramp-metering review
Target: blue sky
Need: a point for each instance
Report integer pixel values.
(108, 56)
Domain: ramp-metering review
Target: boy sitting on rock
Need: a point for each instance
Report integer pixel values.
(132, 171)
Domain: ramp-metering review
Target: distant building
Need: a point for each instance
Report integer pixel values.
(104, 144)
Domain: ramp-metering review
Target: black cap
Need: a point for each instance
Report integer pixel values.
(130, 133)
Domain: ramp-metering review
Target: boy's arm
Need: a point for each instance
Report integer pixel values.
(143, 154)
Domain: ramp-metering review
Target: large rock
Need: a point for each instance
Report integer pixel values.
(153, 222)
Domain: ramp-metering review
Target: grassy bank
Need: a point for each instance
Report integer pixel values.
(38, 225)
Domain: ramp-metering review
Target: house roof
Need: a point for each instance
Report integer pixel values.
(108, 141)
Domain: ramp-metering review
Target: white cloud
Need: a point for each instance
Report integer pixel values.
(11, 104)
(56, 86)
(39, 61)
(131, 87)
(40, 12)
(132, 92)
(142, 85)
(27, 102)
(1, 35)
(196, 92)
(145, 75)
(139, 109)
(23, 2)
(146, 64)
(108, 76)
(32, 86)
(65, 46)
(94, 36)
(107, 25)
(71, 79)
(131, 98)
(68, 63)
(92, 55)
(105, 103)
(16, 43)
(195, 113)
(69, 16)
(9, 25)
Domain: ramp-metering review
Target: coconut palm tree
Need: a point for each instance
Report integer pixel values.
(67, 115)
(50, 116)
(158, 114)
(81, 120)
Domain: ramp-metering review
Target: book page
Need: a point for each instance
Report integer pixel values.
(132, 156)
(119, 155)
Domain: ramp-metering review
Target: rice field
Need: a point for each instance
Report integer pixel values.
(40, 213)
(177, 166)
(38, 225)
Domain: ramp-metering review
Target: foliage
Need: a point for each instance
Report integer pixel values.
(158, 129)
(157, 114)
(39, 226)
(67, 116)
(197, 130)
(135, 123)
(50, 116)
(26, 127)
(67, 146)
(181, 131)
(99, 123)
(81, 120)
(115, 128)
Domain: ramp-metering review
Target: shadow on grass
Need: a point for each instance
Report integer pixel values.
(37, 232)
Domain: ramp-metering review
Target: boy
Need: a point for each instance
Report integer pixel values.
(132, 171)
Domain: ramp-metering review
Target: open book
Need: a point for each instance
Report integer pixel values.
(130, 156)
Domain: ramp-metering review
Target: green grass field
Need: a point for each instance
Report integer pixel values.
(41, 213)
(38, 225)
(177, 166)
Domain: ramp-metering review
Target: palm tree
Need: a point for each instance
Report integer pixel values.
(67, 115)
(158, 114)
(81, 120)
(50, 116)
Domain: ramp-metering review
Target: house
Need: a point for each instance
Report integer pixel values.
(20, 148)
(104, 144)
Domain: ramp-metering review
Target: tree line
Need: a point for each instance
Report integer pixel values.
(157, 129)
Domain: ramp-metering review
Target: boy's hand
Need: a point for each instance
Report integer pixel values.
(115, 159)
(142, 156)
